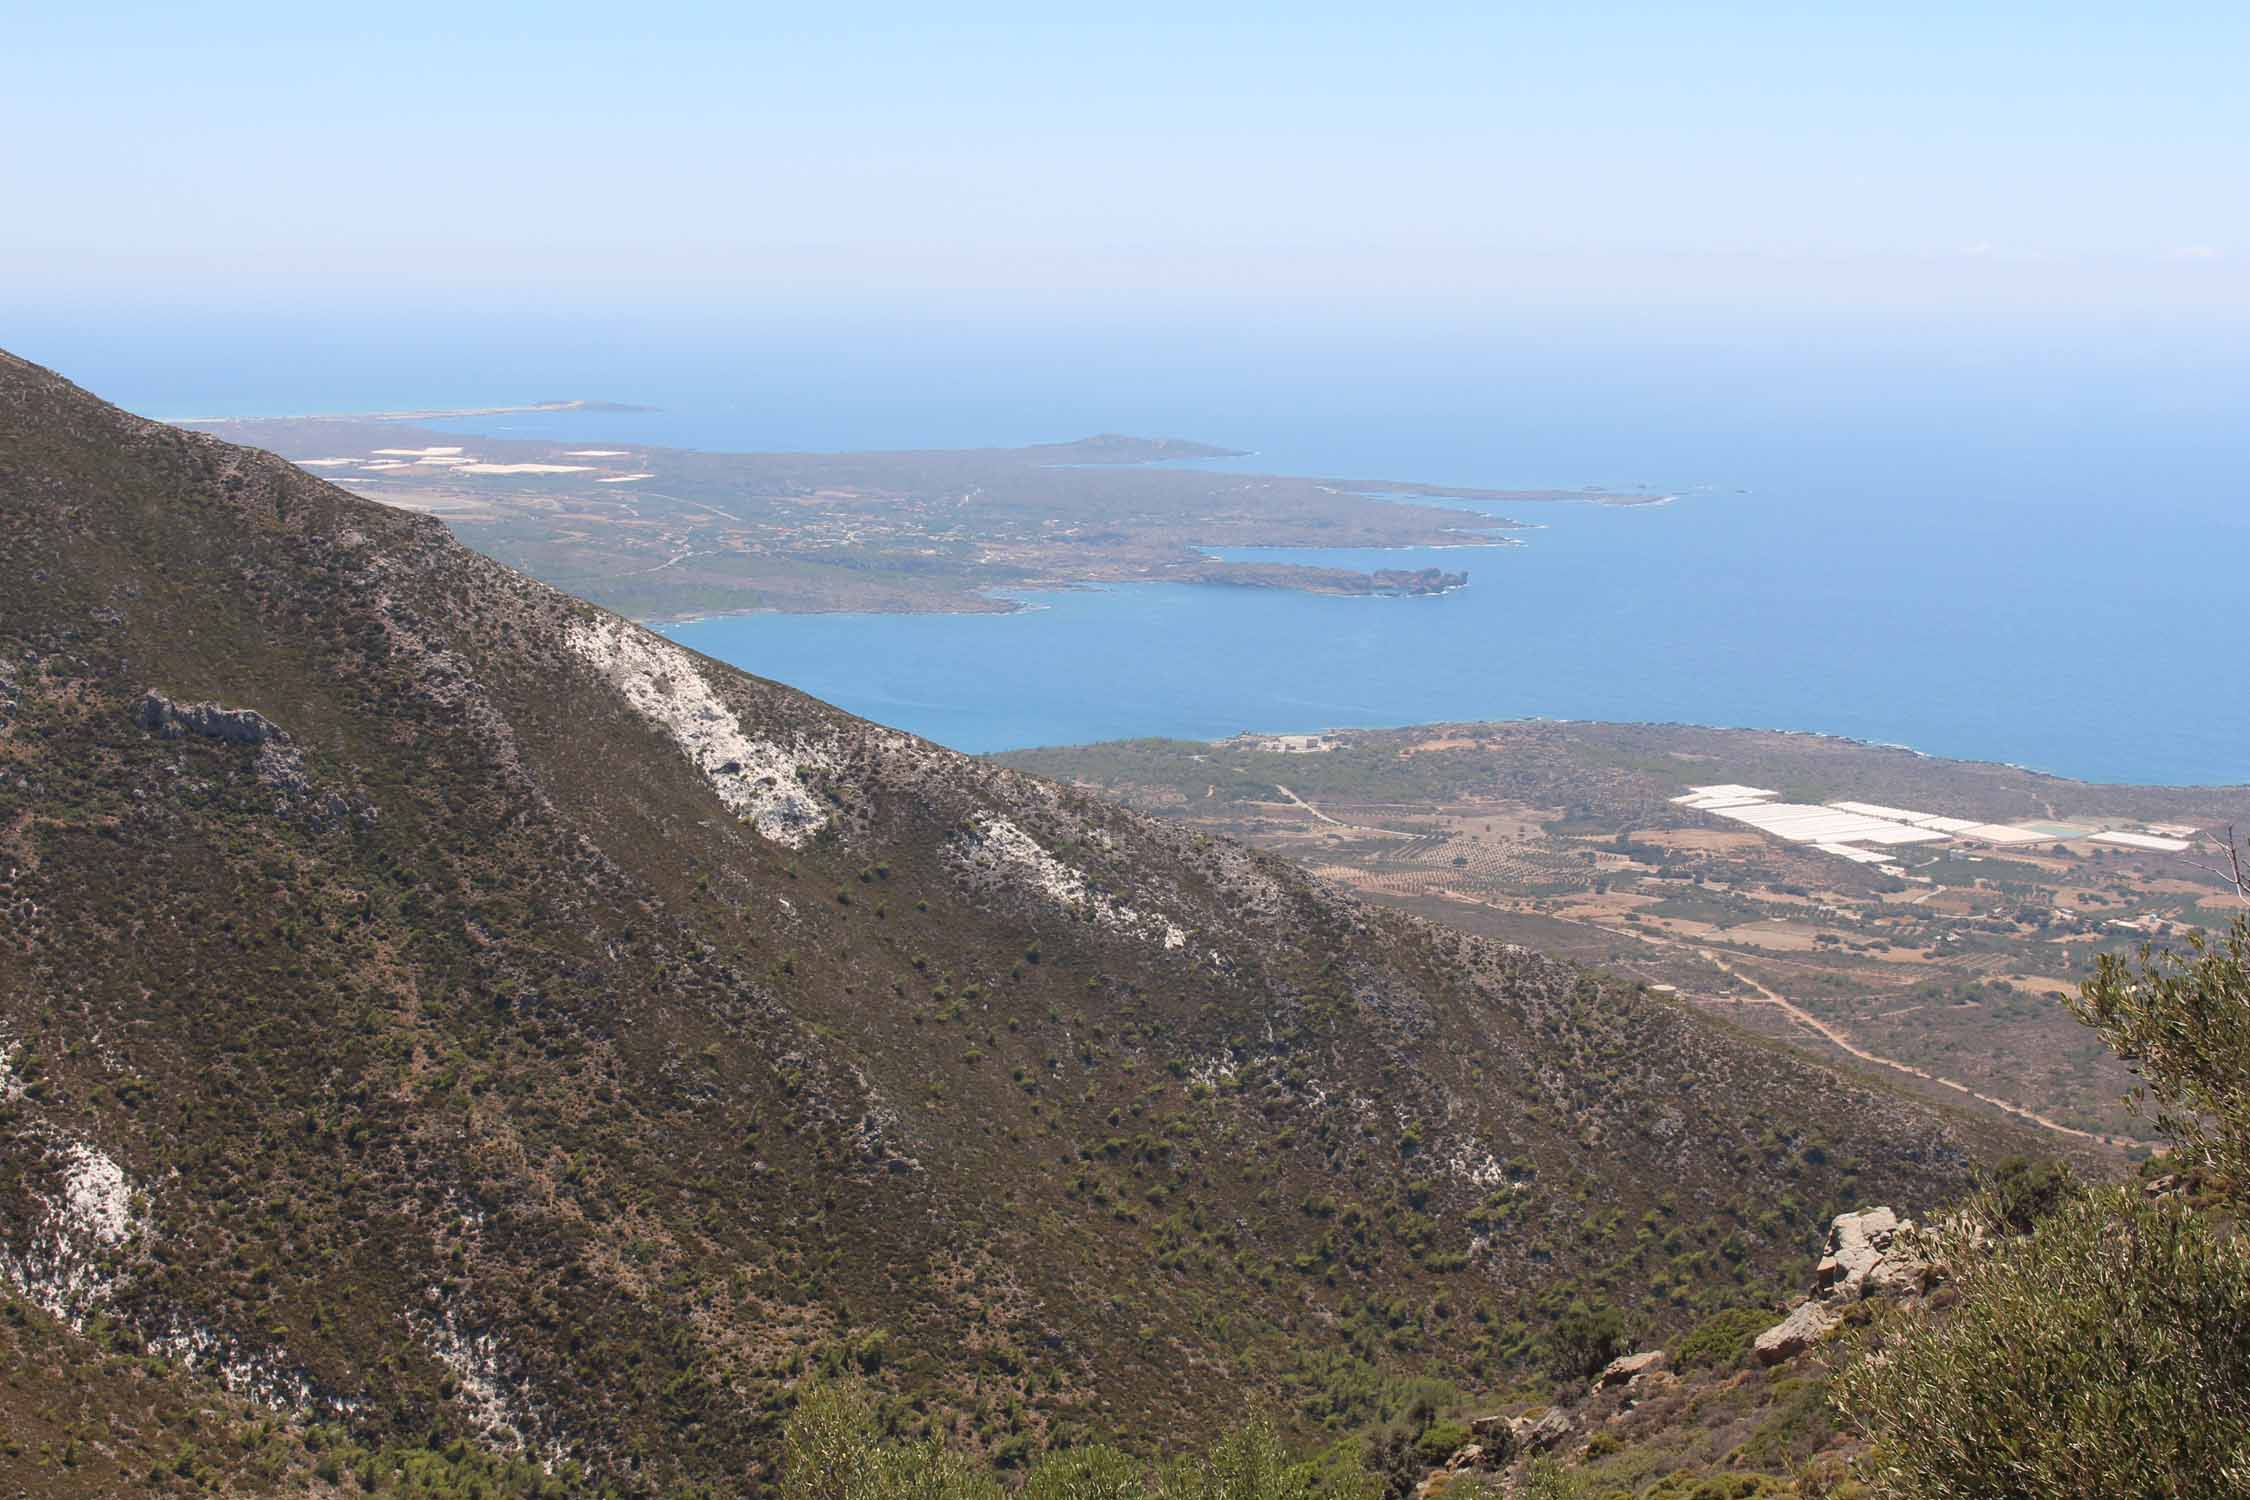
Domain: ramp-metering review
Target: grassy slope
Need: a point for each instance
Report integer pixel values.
(500, 1079)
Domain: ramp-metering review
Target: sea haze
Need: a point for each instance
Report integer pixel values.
(2028, 555)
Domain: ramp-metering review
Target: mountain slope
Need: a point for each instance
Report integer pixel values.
(428, 1001)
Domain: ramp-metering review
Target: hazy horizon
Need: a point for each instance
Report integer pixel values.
(1936, 175)
(1967, 277)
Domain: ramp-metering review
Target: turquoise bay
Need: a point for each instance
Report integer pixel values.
(2015, 628)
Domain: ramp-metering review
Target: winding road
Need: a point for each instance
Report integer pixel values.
(1844, 1043)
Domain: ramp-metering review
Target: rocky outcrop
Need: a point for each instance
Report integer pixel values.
(1551, 1431)
(1467, 1459)
(1501, 1437)
(1499, 1441)
(167, 720)
(1627, 1368)
(766, 782)
(1807, 1324)
(1871, 1254)
(1868, 1254)
(279, 765)
(1497, 1428)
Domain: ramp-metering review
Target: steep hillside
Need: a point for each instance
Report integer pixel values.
(432, 1004)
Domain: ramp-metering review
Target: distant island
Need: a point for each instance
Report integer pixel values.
(670, 533)
(1115, 447)
(1392, 581)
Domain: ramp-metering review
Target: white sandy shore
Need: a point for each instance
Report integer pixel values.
(476, 468)
(597, 453)
(623, 478)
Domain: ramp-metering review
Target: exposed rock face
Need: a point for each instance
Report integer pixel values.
(764, 782)
(1500, 1441)
(994, 850)
(282, 767)
(1868, 1254)
(279, 765)
(237, 726)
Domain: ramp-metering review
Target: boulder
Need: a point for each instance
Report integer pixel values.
(1627, 1368)
(1806, 1325)
(1495, 1437)
(1551, 1429)
(1869, 1254)
(1467, 1457)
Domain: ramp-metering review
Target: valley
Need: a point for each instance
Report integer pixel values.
(1943, 960)
(496, 1041)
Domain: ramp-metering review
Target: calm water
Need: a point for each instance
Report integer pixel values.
(1985, 630)
(2033, 554)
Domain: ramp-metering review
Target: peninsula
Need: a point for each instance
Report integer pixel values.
(666, 533)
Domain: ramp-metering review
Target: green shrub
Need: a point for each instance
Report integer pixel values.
(1091, 1473)
(1252, 1465)
(2106, 1353)
(833, 1448)
(1548, 1480)
(1585, 1338)
(2025, 1190)
(1721, 1341)
(2107, 1350)
(2183, 1021)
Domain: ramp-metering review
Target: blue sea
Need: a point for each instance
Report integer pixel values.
(2023, 554)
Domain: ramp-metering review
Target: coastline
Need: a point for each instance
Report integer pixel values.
(1818, 736)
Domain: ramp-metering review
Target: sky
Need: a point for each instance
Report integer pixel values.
(1810, 166)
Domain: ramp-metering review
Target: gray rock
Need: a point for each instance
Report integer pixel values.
(282, 767)
(1549, 1431)
(236, 726)
(1869, 1254)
